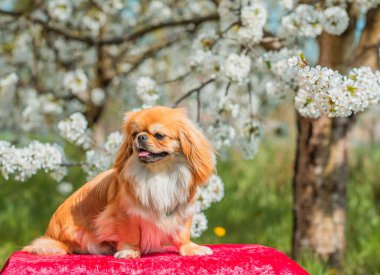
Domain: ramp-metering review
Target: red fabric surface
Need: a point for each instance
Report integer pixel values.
(227, 259)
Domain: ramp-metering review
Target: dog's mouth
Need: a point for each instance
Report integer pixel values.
(150, 157)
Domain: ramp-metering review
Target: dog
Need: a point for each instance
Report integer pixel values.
(146, 201)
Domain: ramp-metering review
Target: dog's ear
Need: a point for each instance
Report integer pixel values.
(125, 150)
(198, 151)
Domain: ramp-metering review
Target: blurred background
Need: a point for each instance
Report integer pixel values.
(88, 56)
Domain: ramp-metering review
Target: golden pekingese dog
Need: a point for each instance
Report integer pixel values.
(146, 201)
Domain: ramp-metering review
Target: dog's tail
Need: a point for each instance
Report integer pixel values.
(47, 246)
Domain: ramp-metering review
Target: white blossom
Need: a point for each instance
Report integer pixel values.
(237, 68)
(254, 15)
(288, 4)
(221, 135)
(8, 82)
(60, 9)
(304, 21)
(96, 162)
(250, 35)
(159, 9)
(35, 107)
(98, 96)
(212, 192)
(199, 58)
(293, 61)
(335, 20)
(252, 132)
(199, 225)
(227, 108)
(110, 6)
(325, 91)
(147, 90)
(253, 18)
(75, 81)
(24, 162)
(94, 21)
(203, 59)
(74, 130)
(64, 188)
(113, 142)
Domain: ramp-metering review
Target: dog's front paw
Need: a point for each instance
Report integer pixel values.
(127, 254)
(192, 249)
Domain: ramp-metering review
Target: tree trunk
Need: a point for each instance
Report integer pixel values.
(321, 165)
(319, 185)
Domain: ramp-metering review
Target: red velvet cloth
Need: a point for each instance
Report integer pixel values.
(227, 259)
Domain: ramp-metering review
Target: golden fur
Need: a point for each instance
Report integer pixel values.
(145, 201)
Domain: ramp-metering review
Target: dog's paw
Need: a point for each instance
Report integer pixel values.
(127, 254)
(192, 249)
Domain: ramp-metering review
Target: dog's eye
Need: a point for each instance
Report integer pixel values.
(159, 136)
(134, 135)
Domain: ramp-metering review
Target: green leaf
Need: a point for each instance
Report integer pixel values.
(351, 89)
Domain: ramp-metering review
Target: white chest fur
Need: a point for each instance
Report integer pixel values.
(159, 187)
(162, 192)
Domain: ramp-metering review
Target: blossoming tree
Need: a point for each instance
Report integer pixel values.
(64, 62)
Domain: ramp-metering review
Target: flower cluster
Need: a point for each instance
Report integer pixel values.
(227, 109)
(110, 6)
(335, 20)
(199, 224)
(113, 142)
(60, 9)
(24, 162)
(96, 161)
(93, 21)
(8, 82)
(101, 158)
(288, 4)
(35, 108)
(304, 21)
(212, 192)
(307, 21)
(253, 18)
(75, 130)
(237, 68)
(146, 89)
(75, 81)
(252, 132)
(221, 135)
(202, 55)
(323, 91)
(98, 96)
(281, 81)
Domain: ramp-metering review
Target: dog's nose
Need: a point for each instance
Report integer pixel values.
(142, 138)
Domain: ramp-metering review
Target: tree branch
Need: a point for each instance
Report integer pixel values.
(178, 78)
(138, 33)
(195, 90)
(151, 52)
(116, 39)
(73, 164)
(11, 13)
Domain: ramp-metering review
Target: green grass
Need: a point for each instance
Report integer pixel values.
(256, 207)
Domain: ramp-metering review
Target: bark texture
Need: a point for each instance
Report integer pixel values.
(320, 185)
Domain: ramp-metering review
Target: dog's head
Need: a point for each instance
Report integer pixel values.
(161, 135)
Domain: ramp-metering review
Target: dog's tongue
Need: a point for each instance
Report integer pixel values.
(144, 153)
